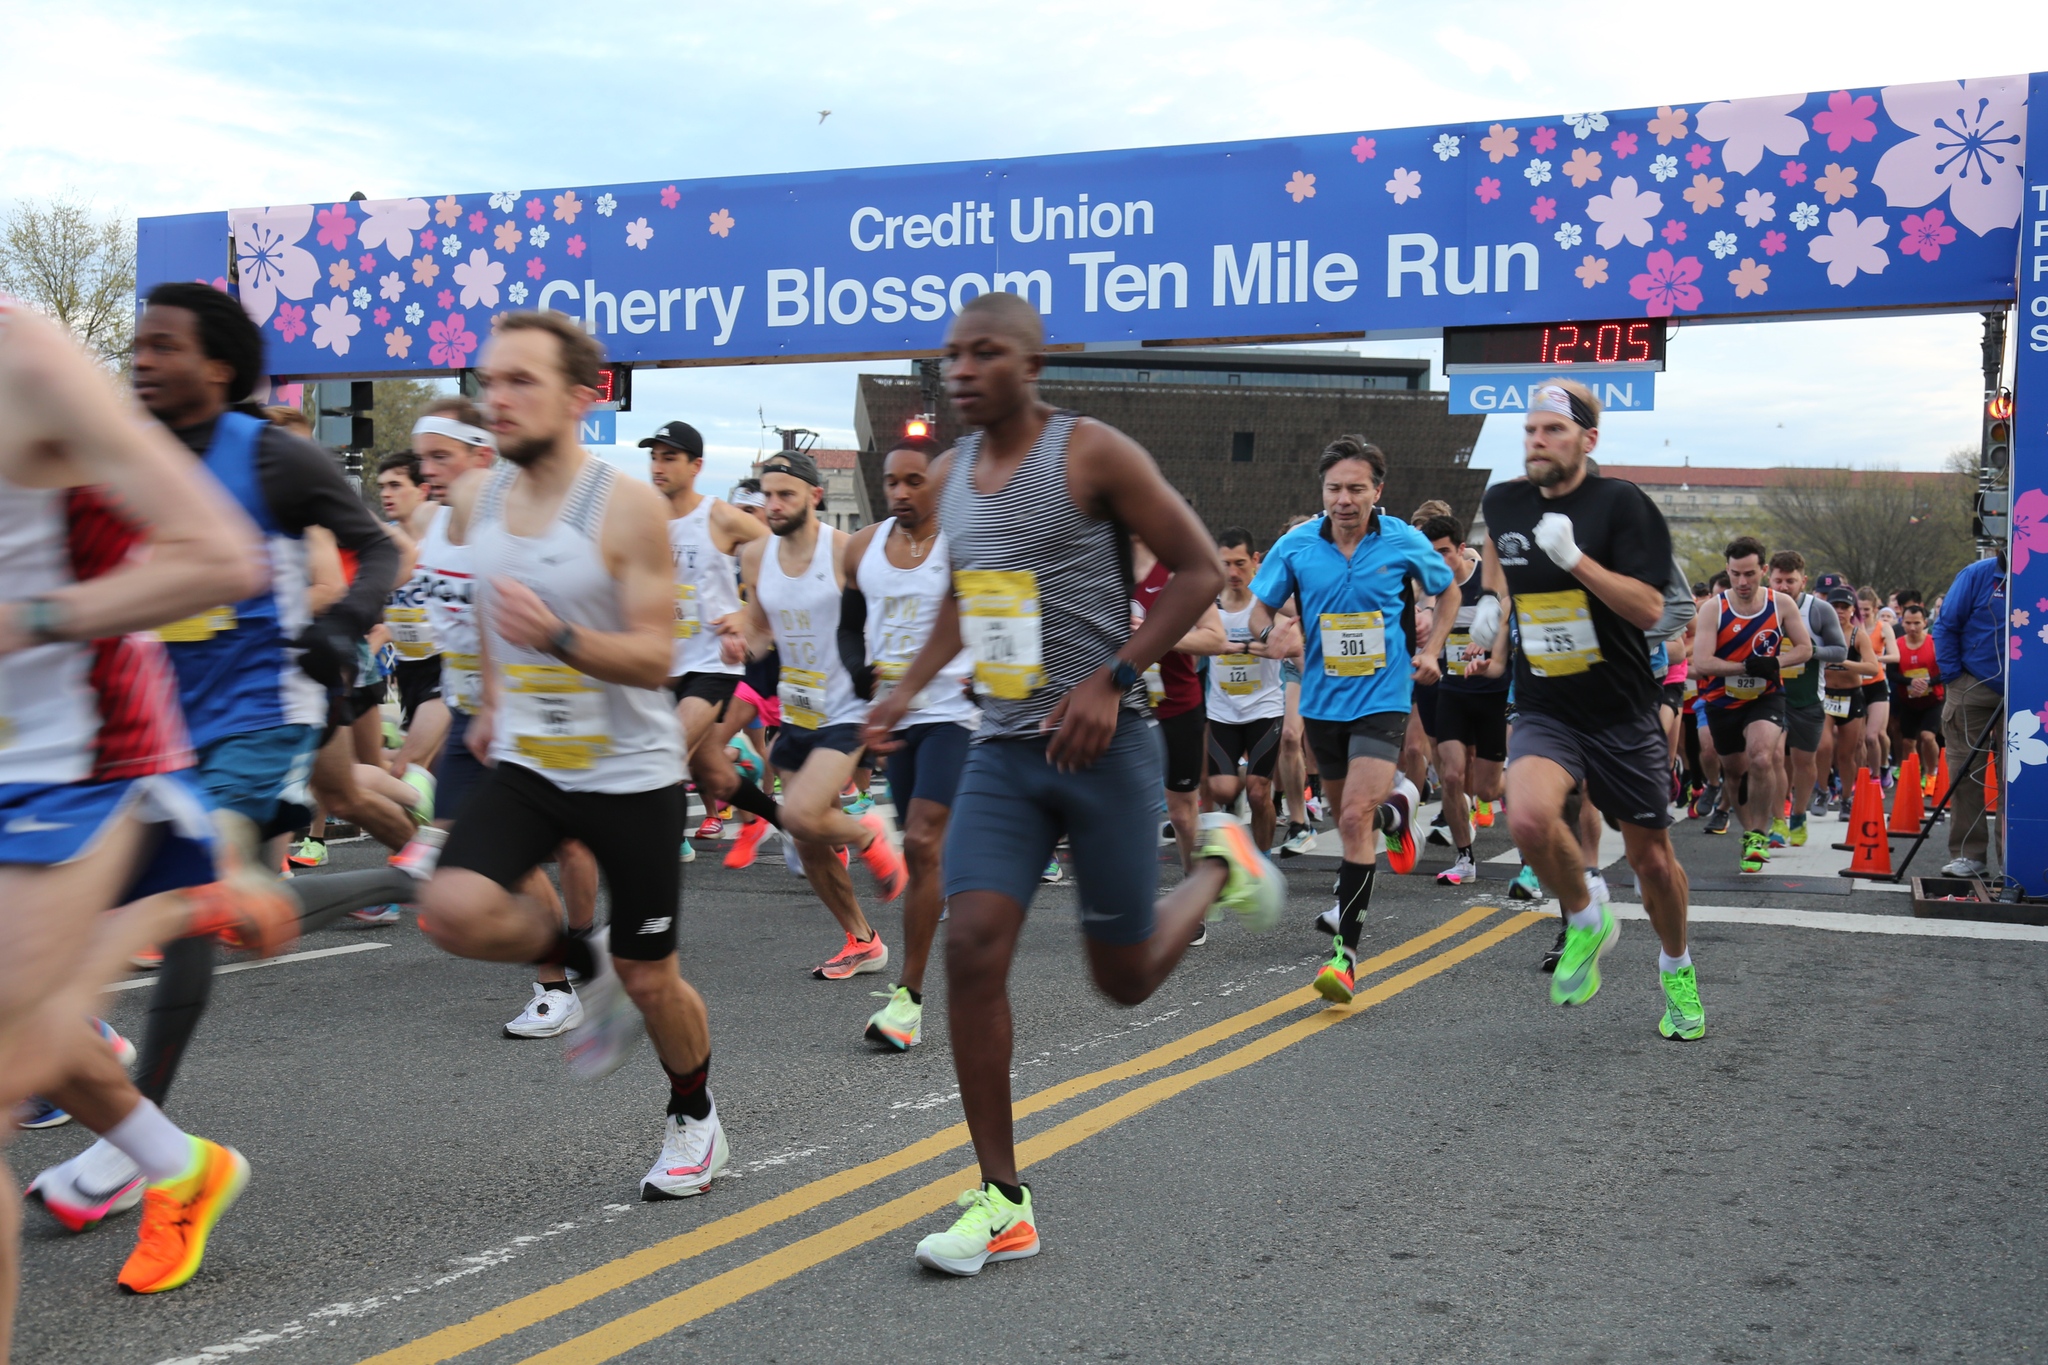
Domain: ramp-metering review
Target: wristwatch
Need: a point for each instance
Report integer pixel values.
(562, 641)
(39, 619)
(1123, 674)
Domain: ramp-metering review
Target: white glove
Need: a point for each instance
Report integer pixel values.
(1486, 622)
(1554, 534)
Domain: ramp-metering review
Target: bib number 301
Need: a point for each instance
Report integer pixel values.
(1354, 644)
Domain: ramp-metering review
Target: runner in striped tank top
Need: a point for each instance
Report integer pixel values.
(1036, 506)
(1747, 636)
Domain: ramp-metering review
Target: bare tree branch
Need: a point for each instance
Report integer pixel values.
(77, 267)
(1876, 527)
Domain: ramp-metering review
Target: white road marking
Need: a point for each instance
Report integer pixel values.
(138, 982)
(1842, 922)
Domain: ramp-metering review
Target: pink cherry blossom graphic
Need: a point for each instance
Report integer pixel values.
(1365, 149)
(1624, 144)
(381, 317)
(574, 246)
(1667, 284)
(453, 341)
(446, 298)
(1700, 155)
(1773, 243)
(2029, 528)
(1926, 234)
(1674, 231)
(1488, 189)
(535, 209)
(477, 221)
(368, 262)
(1846, 120)
(1794, 173)
(535, 268)
(1544, 209)
(1543, 139)
(2015, 646)
(336, 227)
(671, 196)
(290, 321)
(428, 240)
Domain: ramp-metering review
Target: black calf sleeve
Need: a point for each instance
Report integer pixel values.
(175, 1005)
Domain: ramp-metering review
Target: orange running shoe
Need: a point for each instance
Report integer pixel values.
(743, 848)
(1397, 818)
(247, 913)
(1483, 817)
(855, 959)
(1337, 982)
(882, 858)
(177, 1216)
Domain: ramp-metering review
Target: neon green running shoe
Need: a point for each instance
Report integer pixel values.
(1797, 835)
(899, 1023)
(1578, 970)
(1683, 1019)
(309, 852)
(1756, 850)
(1254, 888)
(421, 781)
(991, 1229)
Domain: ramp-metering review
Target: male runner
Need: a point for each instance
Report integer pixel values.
(1036, 506)
(704, 535)
(577, 612)
(1174, 688)
(410, 505)
(899, 568)
(1471, 706)
(1917, 700)
(1582, 562)
(1351, 573)
(1246, 701)
(1746, 637)
(795, 583)
(1804, 712)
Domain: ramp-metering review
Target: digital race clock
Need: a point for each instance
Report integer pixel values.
(1635, 342)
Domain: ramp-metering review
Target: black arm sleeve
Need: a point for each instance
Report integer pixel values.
(304, 486)
(853, 642)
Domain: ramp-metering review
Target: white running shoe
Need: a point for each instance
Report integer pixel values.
(97, 1183)
(1962, 867)
(598, 1044)
(419, 857)
(1299, 841)
(790, 858)
(1331, 921)
(692, 1155)
(376, 915)
(550, 1012)
(1458, 873)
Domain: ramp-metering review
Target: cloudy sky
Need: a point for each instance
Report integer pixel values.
(148, 109)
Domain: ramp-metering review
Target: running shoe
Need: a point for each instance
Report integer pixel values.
(1781, 833)
(1756, 850)
(1526, 886)
(1844, 809)
(855, 959)
(551, 1011)
(1820, 802)
(422, 782)
(1554, 951)
(744, 759)
(597, 1044)
(94, 1185)
(262, 919)
(376, 916)
(860, 805)
(124, 1051)
(693, 1153)
(146, 959)
(308, 852)
(991, 1229)
(688, 852)
(712, 828)
(898, 1024)
(1331, 922)
(36, 1112)
(1336, 981)
(1704, 803)
(881, 856)
(1053, 871)
(1482, 816)
(1684, 1020)
(1201, 935)
(1717, 823)
(178, 1215)
(1300, 839)
(1316, 808)
(1440, 829)
(1395, 818)
(421, 855)
(1167, 835)
(1798, 834)
(1458, 873)
(791, 859)
(1254, 887)
(743, 849)
(1577, 977)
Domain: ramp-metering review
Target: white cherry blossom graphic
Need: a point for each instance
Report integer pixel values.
(1625, 213)
(1968, 142)
(268, 259)
(1744, 128)
(390, 223)
(2023, 745)
(1849, 246)
(504, 201)
(333, 325)
(480, 277)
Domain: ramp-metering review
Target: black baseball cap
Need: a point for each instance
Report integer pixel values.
(678, 436)
(796, 464)
(1841, 597)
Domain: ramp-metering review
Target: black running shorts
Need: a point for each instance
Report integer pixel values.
(1257, 742)
(1336, 742)
(715, 688)
(1183, 736)
(1477, 720)
(1730, 724)
(419, 682)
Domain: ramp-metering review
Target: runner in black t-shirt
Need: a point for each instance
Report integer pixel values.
(1582, 561)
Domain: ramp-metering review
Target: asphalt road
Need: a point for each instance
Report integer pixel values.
(1846, 1168)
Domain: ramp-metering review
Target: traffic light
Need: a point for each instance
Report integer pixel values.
(1998, 432)
(362, 403)
(917, 429)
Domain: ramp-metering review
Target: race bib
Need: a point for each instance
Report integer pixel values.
(1237, 674)
(1155, 686)
(687, 620)
(197, 629)
(1557, 632)
(557, 716)
(1354, 644)
(462, 683)
(1692, 688)
(1000, 621)
(1836, 704)
(802, 691)
(1458, 652)
(889, 672)
(1742, 687)
(1790, 671)
(409, 633)
(1917, 684)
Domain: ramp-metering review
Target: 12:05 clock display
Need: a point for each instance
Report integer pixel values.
(1626, 341)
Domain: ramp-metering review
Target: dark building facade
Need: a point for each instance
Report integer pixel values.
(1238, 433)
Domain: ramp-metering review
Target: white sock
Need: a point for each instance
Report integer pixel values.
(159, 1147)
(1668, 963)
(1588, 918)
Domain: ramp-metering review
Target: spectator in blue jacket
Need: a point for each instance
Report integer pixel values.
(1969, 644)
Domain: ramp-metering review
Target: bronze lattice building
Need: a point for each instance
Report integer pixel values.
(1237, 432)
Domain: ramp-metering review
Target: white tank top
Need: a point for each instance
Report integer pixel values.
(451, 612)
(903, 604)
(804, 613)
(48, 716)
(577, 732)
(406, 614)
(705, 591)
(1243, 686)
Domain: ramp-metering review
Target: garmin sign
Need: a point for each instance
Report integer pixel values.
(1825, 202)
(1511, 392)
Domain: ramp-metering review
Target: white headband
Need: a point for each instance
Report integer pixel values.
(748, 498)
(1562, 401)
(431, 425)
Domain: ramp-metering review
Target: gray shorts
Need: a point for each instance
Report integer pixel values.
(1626, 767)
(1802, 726)
(1336, 742)
(1013, 806)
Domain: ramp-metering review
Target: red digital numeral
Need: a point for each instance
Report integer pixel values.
(1639, 341)
(1558, 349)
(1607, 343)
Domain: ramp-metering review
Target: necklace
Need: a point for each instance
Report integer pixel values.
(915, 552)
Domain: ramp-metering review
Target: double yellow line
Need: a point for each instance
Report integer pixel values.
(665, 1315)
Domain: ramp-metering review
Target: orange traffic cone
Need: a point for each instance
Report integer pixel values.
(1907, 808)
(1990, 787)
(1859, 807)
(1940, 791)
(1867, 833)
